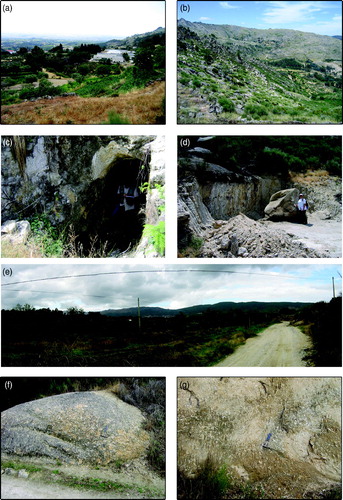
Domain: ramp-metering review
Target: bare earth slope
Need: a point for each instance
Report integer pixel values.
(278, 345)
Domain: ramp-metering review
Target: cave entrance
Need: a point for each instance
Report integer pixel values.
(114, 209)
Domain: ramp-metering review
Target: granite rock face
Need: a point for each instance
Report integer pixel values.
(94, 428)
(282, 205)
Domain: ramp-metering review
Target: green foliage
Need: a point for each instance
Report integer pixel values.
(30, 78)
(156, 236)
(116, 119)
(46, 236)
(324, 322)
(211, 481)
(227, 105)
(256, 111)
(287, 63)
(103, 69)
(196, 82)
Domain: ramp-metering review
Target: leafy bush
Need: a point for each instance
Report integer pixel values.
(30, 78)
(255, 111)
(211, 481)
(226, 104)
(196, 82)
(156, 236)
(46, 236)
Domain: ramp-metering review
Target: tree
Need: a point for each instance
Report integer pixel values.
(143, 59)
(126, 57)
(103, 69)
(25, 307)
(75, 311)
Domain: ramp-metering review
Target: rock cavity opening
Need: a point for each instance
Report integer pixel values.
(112, 211)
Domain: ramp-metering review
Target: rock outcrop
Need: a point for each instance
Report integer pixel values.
(94, 428)
(222, 209)
(15, 231)
(283, 434)
(74, 181)
(282, 205)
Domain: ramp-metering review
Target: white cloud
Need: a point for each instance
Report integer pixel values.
(204, 19)
(226, 5)
(287, 12)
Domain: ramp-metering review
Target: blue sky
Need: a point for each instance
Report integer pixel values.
(321, 17)
(155, 285)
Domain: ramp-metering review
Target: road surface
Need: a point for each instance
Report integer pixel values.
(13, 487)
(278, 345)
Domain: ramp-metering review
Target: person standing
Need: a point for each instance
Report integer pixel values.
(302, 208)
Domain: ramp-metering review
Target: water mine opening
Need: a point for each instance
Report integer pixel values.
(113, 209)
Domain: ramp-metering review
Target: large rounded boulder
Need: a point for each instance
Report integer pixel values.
(78, 428)
(281, 205)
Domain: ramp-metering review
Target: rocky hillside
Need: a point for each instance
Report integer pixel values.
(69, 186)
(134, 40)
(225, 185)
(230, 74)
(267, 437)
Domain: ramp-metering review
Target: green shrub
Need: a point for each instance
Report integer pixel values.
(27, 92)
(30, 78)
(156, 236)
(116, 119)
(256, 111)
(226, 104)
(211, 481)
(46, 236)
(196, 82)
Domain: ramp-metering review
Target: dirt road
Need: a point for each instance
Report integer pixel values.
(12, 487)
(278, 345)
(324, 236)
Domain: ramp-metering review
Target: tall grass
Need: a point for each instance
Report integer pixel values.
(144, 106)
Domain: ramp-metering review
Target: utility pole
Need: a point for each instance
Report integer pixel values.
(333, 287)
(139, 316)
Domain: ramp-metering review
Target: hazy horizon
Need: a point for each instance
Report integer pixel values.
(76, 20)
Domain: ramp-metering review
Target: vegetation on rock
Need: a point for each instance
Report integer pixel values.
(247, 75)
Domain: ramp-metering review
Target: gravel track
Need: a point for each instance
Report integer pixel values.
(278, 345)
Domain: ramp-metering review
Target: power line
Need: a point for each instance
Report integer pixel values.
(58, 293)
(154, 271)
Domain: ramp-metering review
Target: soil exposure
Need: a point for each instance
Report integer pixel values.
(280, 434)
(278, 345)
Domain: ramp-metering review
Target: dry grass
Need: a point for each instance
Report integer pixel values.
(19, 250)
(138, 107)
(310, 176)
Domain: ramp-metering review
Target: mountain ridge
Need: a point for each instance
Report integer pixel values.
(276, 40)
(198, 309)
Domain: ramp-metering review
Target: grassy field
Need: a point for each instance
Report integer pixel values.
(136, 107)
